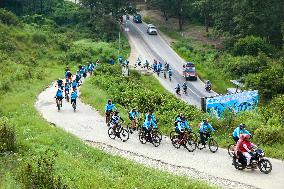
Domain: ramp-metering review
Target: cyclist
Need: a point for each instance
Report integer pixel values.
(91, 68)
(68, 76)
(170, 73)
(203, 130)
(59, 97)
(66, 89)
(74, 96)
(60, 84)
(150, 113)
(115, 120)
(155, 65)
(74, 85)
(178, 118)
(148, 125)
(84, 71)
(108, 109)
(239, 130)
(133, 116)
(78, 77)
(182, 125)
(146, 65)
(184, 86)
(120, 60)
(178, 89)
(138, 62)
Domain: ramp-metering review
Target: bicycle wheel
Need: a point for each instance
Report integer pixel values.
(175, 141)
(172, 133)
(159, 134)
(58, 106)
(194, 137)
(124, 135)
(156, 141)
(142, 138)
(111, 133)
(190, 145)
(231, 150)
(74, 106)
(213, 145)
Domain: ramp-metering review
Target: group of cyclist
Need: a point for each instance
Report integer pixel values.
(71, 83)
(240, 135)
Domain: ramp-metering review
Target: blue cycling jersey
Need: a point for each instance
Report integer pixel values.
(238, 131)
(74, 95)
(147, 124)
(205, 127)
(109, 107)
(59, 94)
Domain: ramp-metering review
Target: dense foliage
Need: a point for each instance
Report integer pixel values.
(237, 18)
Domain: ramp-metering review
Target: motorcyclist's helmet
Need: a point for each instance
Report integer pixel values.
(242, 126)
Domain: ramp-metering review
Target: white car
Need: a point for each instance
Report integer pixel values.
(152, 30)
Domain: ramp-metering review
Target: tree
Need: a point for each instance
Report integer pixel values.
(205, 8)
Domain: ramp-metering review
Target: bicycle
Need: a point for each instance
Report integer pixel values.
(67, 96)
(188, 140)
(74, 106)
(210, 141)
(58, 103)
(119, 132)
(152, 137)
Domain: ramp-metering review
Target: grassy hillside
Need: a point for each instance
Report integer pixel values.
(31, 58)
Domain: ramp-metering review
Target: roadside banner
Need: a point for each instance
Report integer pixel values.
(236, 102)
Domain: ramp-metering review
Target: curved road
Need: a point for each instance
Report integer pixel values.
(152, 47)
(216, 168)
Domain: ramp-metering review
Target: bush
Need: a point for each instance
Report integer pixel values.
(252, 45)
(270, 134)
(7, 136)
(40, 173)
(8, 18)
(39, 38)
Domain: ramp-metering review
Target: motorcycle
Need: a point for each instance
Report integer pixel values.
(257, 161)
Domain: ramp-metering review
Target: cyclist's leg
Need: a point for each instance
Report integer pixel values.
(202, 138)
(235, 139)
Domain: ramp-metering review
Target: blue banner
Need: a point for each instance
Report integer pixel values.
(237, 102)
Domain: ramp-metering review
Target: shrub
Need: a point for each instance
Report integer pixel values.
(251, 45)
(39, 38)
(40, 173)
(7, 17)
(7, 136)
(272, 135)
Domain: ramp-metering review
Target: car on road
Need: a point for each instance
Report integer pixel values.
(189, 72)
(137, 18)
(151, 29)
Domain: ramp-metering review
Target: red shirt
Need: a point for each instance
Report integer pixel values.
(248, 144)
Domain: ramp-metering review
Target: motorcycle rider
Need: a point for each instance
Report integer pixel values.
(246, 148)
(178, 89)
(184, 86)
(238, 131)
(208, 85)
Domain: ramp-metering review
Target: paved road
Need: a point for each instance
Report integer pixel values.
(152, 47)
(216, 168)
